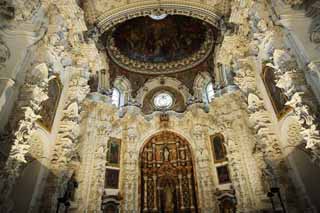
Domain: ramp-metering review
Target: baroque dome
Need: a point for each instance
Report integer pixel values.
(169, 45)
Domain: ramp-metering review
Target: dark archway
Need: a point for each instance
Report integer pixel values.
(167, 175)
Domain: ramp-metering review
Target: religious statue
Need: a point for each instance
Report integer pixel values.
(166, 154)
(169, 203)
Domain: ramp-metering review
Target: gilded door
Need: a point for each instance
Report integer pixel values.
(167, 180)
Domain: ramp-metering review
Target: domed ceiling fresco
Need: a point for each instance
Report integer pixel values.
(172, 44)
(166, 40)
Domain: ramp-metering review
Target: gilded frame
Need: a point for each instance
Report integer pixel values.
(110, 143)
(49, 125)
(280, 113)
(212, 137)
(228, 171)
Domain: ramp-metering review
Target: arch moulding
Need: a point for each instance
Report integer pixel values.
(194, 9)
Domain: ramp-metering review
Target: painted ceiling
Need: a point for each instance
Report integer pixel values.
(143, 48)
(170, 45)
(170, 39)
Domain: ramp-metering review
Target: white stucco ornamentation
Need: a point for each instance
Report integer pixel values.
(33, 93)
(63, 40)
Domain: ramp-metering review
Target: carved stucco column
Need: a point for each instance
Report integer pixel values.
(97, 178)
(32, 94)
(67, 25)
(130, 169)
(239, 51)
(65, 158)
(203, 172)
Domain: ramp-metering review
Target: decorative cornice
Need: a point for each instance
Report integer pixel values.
(196, 10)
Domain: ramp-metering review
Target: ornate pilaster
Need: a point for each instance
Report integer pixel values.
(72, 57)
(32, 94)
(239, 52)
(130, 169)
(205, 182)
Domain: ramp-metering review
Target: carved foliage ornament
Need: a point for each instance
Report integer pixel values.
(6, 9)
(4, 54)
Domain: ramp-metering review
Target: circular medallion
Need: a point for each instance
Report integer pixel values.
(163, 100)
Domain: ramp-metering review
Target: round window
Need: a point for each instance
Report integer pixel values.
(163, 100)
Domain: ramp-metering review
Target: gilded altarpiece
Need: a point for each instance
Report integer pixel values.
(167, 179)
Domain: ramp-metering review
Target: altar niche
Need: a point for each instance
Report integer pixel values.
(167, 177)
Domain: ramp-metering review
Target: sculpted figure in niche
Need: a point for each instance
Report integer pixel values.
(169, 203)
(150, 156)
(183, 155)
(166, 154)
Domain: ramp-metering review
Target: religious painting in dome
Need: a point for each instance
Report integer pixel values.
(172, 38)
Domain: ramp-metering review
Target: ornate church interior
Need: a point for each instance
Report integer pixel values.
(159, 106)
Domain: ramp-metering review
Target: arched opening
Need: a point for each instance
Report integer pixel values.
(167, 175)
(209, 92)
(116, 97)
